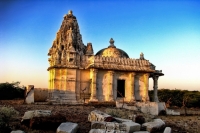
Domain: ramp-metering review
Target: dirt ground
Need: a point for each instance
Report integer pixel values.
(79, 114)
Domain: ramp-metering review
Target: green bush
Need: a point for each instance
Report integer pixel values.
(178, 97)
(6, 115)
(10, 91)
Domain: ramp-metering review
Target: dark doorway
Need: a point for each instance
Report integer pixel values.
(120, 88)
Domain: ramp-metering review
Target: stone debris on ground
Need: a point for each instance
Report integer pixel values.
(120, 120)
(132, 126)
(172, 112)
(35, 113)
(118, 125)
(97, 115)
(105, 131)
(72, 114)
(141, 132)
(167, 130)
(17, 131)
(108, 125)
(48, 122)
(157, 124)
(67, 127)
(100, 122)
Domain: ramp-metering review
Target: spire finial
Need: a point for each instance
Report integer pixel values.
(111, 43)
(70, 12)
(141, 56)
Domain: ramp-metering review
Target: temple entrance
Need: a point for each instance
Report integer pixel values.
(121, 88)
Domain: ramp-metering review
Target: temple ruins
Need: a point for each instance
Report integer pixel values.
(76, 73)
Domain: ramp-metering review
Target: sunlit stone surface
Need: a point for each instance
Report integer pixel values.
(77, 74)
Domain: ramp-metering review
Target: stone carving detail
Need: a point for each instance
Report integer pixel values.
(68, 45)
(119, 63)
(89, 49)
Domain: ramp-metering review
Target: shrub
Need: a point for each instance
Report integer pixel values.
(10, 91)
(6, 115)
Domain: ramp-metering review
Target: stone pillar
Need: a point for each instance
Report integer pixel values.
(110, 89)
(146, 87)
(132, 87)
(93, 76)
(155, 87)
(49, 85)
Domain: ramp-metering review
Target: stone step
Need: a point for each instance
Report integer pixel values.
(67, 95)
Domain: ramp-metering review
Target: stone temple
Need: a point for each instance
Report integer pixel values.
(77, 74)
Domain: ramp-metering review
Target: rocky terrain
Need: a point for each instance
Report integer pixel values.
(79, 114)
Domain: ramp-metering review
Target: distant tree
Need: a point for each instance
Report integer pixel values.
(179, 98)
(10, 91)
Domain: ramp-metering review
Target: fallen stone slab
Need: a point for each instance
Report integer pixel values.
(28, 115)
(67, 127)
(128, 127)
(36, 113)
(167, 130)
(141, 132)
(45, 123)
(105, 131)
(157, 124)
(172, 112)
(98, 125)
(120, 120)
(119, 104)
(97, 115)
(26, 118)
(17, 131)
(131, 126)
(42, 113)
(147, 108)
(108, 125)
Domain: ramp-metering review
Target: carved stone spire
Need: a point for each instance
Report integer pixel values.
(70, 12)
(68, 39)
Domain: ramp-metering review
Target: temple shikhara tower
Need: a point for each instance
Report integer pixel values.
(76, 73)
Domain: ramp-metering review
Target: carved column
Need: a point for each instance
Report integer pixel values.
(132, 88)
(146, 87)
(110, 93)
(155, 87)
(93, 76)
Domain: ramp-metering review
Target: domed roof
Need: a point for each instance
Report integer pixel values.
(112, 51)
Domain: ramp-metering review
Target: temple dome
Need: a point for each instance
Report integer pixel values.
(112, 51)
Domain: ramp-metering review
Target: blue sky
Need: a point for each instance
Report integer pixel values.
(167, 32)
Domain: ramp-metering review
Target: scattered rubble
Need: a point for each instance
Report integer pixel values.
(156, 125)
(17, 131)
(67, 127)
(97, 115)
(141, 132)
(167, 130)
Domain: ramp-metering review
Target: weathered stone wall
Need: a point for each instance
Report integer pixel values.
(40, 94)
(104, 82)
(102, 85)
(122, 76)
(139, 86)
